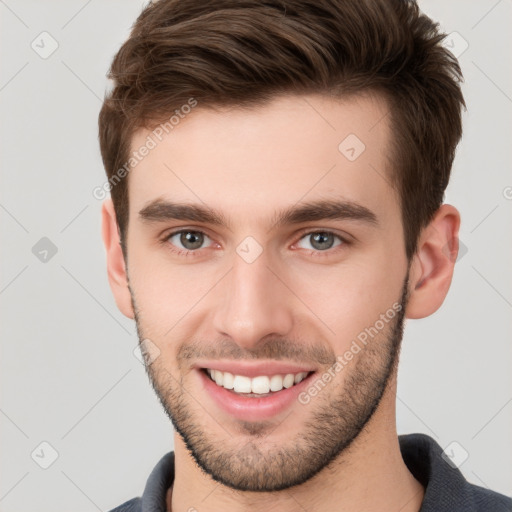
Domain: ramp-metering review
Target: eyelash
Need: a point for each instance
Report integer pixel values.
(313, 252)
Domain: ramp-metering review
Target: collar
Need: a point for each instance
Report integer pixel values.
(446, 489)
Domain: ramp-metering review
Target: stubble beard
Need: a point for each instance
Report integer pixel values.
(337, 417)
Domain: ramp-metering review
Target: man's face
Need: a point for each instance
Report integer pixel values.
(300, 294)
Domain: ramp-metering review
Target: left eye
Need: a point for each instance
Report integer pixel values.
(322, 240)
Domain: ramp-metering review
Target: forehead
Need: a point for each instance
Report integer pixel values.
(251, 162)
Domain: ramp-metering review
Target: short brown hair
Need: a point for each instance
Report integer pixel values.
(242, 53)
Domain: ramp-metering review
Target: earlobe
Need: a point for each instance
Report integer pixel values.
(433, 264)
(116, 267)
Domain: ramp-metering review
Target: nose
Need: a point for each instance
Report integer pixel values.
(254, 302)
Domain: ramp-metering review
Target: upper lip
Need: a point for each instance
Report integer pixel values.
(251, 369)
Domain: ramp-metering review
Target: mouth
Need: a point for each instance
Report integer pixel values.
(255, 387)
(253, 399)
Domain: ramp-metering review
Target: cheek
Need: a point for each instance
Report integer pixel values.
(167, 294)
(350, 298)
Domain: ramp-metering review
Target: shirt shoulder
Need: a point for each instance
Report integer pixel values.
(133, 505)
(154, 496)
(446, 489)
(486, 499)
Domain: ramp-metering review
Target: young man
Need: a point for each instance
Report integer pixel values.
(277, 172)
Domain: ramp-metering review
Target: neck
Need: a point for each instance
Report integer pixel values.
(370, 476)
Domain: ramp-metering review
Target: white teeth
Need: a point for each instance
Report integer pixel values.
(228, 380)
(288, 380)
(300, 376)
(242, 384)
(259, 385)
(276, 383)
(219, 377)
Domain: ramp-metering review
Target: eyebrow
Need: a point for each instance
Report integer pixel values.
(160, 210)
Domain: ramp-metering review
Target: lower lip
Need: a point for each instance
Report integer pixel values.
(251, 408)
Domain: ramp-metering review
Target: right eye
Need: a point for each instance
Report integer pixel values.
(191, 240)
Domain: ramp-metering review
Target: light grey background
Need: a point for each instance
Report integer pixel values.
(68, 373)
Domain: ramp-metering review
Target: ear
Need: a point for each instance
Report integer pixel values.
(116, 267)
(433, 264)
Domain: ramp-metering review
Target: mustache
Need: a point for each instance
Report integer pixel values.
(275, 349)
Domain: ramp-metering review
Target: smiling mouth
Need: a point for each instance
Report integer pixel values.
(255, 387)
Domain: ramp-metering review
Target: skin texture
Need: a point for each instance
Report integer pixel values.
(297, 301)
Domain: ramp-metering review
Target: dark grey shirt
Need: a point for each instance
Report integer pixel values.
(446, 489)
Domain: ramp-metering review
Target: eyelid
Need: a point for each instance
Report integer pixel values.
(345, 238)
